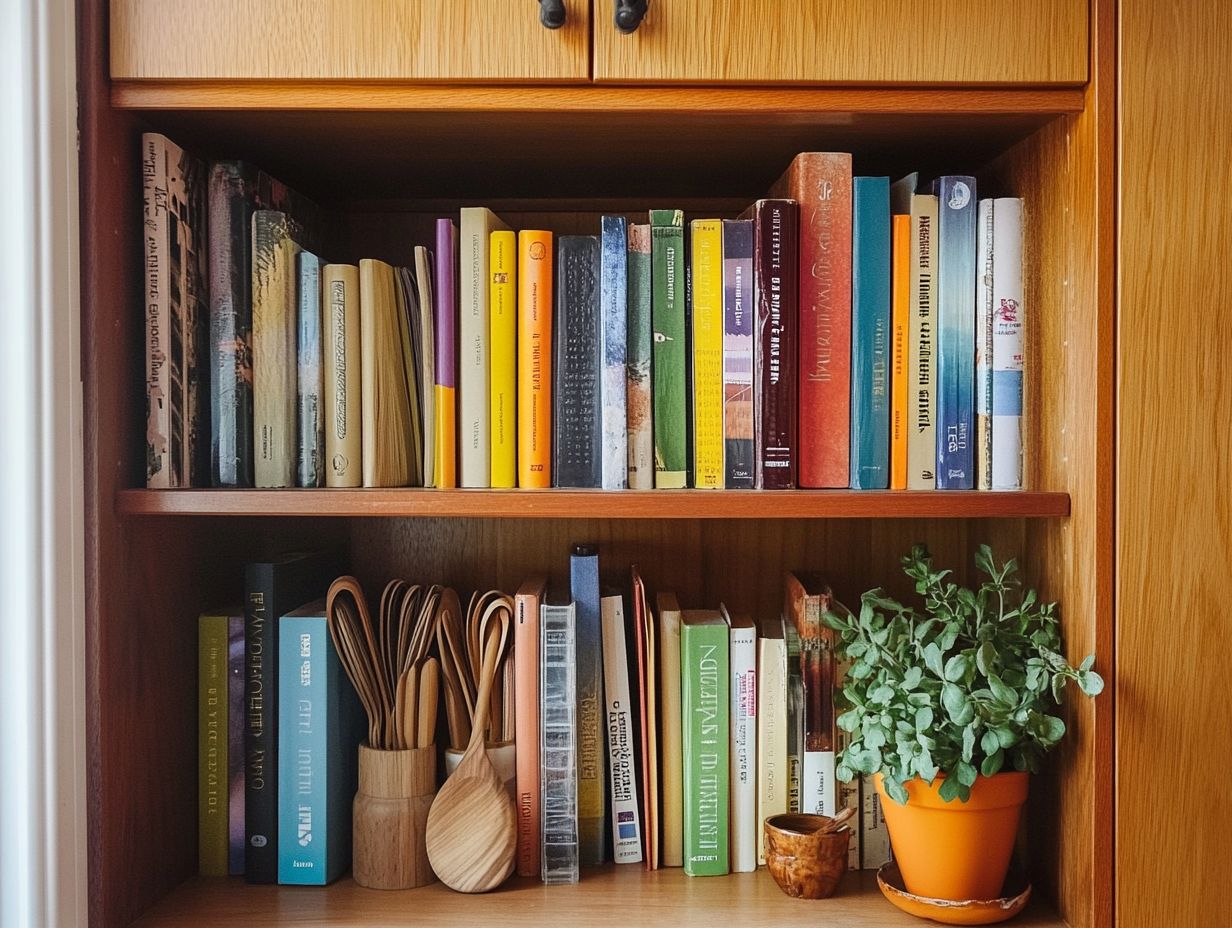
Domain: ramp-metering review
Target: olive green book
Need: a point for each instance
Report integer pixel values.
(212, 771)
(704, 696)
(670, 352)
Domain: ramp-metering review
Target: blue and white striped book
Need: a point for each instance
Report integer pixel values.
(870, 333)
(311, 459)
(955, 332)
(613, 288)
(1008, 346)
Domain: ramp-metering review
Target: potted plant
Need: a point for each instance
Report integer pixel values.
(950, 707)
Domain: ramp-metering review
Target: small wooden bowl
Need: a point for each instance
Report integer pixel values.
(806, 862)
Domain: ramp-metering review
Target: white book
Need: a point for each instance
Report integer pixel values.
(475, 228)
(427, 368)
(743, 813)
(817, 784)
(922, 347)
(1008, 346)
(671, 748)
(621, 734)
(773, 781)
(874, 836)
(983, 346)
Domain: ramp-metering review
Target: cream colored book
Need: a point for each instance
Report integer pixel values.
(275, 389)
(671, 792)
(772, 775)
(427, 360)
(386, 409)
(343, 446)
(742, 818)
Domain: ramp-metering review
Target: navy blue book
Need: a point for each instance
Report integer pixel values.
(577, 441)
(870, 333)
(956, 224)
(592, 792)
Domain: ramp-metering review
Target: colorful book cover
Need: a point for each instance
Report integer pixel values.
(922, 347)
(343, 388)
(212, 748)
(704, 695)
(1008, 346)
(648, 714)
(503, 355)
(535, 259)
(613, 305)
(670, 351)
(318, 743)
(956, 282)
(772, 786)
(558, 745)
(619, 714)
(591, 740)
(577, 439)
(639, 397)
(309, 366)
(743, 715)
(275, 338)
(236, 683)
(738, 459)
(706, 241)
(870, 334)
(900, 301)
(671, 790)
(983, 346)
(446, 355)
(526, 722)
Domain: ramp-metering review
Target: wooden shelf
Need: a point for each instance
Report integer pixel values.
(618, 896)
(598, 504)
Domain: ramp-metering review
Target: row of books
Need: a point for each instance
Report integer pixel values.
(848, 332)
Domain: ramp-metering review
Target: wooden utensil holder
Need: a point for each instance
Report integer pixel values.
(396, 789)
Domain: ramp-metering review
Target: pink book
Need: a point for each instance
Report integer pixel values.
(526, 722)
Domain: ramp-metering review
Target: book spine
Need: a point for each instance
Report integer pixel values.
(870, 334)
(406, 367)
(983, 345)
(772, 786)
(261, 726)
(744, 719)
(774, 283)
(446, 355)
(526, 728)
(474, 451)
(503, 354)
(427, 361)
(849, 798)
(163, 363)
(704, 699)
(922, 347)
(795, 718)
(388, 438)
(558, 744)
(738, 460)
(900, 299)
(274, 342)
(212, 689)
(670, 720)
(613, 301)
(591, 747)
(311, 422)
(706, 241)
(343, 455)
(1008, 347)
(302, 749)
(622, 758)
(535, 358)
(956, 283)
(236, 666)
(577, 442)
(669, 352)
(874, 835)
(639, 398)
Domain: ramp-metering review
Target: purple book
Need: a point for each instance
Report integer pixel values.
(446, 352)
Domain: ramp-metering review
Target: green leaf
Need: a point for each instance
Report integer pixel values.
(966, 773)
(1000, 692)
(896, 791)
(932, 659)
(956, 667)
(1058, 687)
(953, 700)
(985, 657)
(990, 744)
(1052, 729)
(849, 721)
(1090, 682)
(923, 719)
(919, 700)
(912, 678)
(984, 561)
(859, 670)
(950, 789)
(856, 649)
(1087, 663)
(968, 745)
(949, 636)
(992, 763)
(882, 696)
(875, 737)
(836, 622)
(922, 630)
(844, 773)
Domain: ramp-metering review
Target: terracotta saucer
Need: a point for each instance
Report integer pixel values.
(968, 912)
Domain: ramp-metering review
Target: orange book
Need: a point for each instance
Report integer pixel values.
(526, 722)
(534, 359)
(900, 303)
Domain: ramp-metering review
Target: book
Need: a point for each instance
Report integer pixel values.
(821, 183)
(775, 242)
(875, 847)
(807, 599)
(213, 743)
(795, 716)
(669, 354)
(176, 313)
(900, 316)
(535, 258)
(870, 334)
(275, 340)
(390, 427)
(922, 347)
(236, 705)
(577, 439)
(982, 454)
(310, 459)
(1008, 346)
(772, 783)
(503, 358)
(849, 796)
(427, 360)
(613, 312)
(644, 636)
(558, 762)
(743, 717)
(415, 348)
(318, 743)
(626, 820)
(271, 589)
(704, 688)
(738, 460)
(530, 597)
(671, 774)
(445, 464)
(343, 387)
(591, 741)
(956, 222)
(706, 256)
(639, 396)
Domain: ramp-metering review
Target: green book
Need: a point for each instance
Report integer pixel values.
(704, 671)
(670, 357)
(213, 834)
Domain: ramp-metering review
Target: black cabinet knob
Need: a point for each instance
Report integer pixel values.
(629, 14)
(552, 13)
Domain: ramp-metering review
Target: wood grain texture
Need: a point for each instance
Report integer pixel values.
(1174, 464)
(838, 41)
(345, 40)
(390, 814)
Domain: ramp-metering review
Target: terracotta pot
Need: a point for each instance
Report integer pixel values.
(955, 850)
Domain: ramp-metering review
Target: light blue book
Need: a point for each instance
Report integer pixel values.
(956, 282)
(613, 298)
(318, 743)
(592, 792)
(870, 333)
(311, 416)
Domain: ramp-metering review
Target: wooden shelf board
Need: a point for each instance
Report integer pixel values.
(617, 896)
(598, 504)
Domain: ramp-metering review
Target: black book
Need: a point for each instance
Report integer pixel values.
(577, 446)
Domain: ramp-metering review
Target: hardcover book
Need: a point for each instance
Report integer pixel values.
(311, 421)
(900, 303)
(213, 764)
(535, 258)
(983, 345)
(558, 739)
(671, 791)
(772, 780)
(503, 355)
(526, 722)
(445, 465)
(426, 357)
(648, 716)
(922, 347)
(870, 334)
(669, 353)
(639, 399)
(619, 715)
(275, 338)
(706, 242)
(738, 451)
(613, 307)
(807, 599)
(745, 831)
(390, 428)
(578, 440)
(704, 694)
(795, 716)
(343, 387)
(591, 740)
(236, 698)
(1008, 346)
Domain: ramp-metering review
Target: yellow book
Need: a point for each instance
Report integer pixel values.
(707, 256)
(503, 358)
(900, 302)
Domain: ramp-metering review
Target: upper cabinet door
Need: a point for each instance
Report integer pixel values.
(847, 42)
(448, 40)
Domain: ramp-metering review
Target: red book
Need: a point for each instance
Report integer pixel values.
(821, 183)
(526, 722)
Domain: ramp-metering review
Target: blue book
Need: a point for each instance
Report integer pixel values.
(613, 289)
(311, 415)
(591, 732)
(318, 745)
(956, 226)
(870, 333)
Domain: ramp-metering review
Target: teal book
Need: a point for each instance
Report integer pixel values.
(670, 351)
(318, 745)
(870, 333)
(704, 704)
(592, 769)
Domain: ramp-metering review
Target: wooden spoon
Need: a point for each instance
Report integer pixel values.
(471, 833)
(429, 687)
